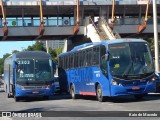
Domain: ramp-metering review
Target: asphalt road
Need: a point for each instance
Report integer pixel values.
(63, 107)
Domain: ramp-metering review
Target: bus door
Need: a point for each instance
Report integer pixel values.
(10, 84)
(88, 72)
(9, 80)
(105, 74)
(78, 81)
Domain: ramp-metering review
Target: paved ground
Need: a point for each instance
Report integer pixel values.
(66, 107)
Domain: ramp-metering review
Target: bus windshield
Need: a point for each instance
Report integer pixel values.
(34, 71)
(130, 59)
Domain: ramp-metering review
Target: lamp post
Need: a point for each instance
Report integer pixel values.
(155, 35)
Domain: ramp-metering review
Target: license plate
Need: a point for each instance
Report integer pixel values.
(35, 92)
(135, 88)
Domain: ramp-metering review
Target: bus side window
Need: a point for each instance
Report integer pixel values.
(95, 60)
(84, 58)
(103, 62)
(103, 65)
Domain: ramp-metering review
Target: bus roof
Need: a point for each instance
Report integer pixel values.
(86, 45)
(31, 54)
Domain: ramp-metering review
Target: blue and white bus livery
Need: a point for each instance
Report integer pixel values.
(110, 68)
(29, 74)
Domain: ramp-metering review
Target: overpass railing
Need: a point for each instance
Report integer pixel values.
(34, 22)
(73, 2)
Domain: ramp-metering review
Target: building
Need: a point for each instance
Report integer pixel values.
(54, 44)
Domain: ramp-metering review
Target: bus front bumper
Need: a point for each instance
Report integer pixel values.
(33, 92)
(132, 90)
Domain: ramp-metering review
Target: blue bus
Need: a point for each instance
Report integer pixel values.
(29, 74)
(110, 68)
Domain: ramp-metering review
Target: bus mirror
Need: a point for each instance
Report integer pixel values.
(105, 57)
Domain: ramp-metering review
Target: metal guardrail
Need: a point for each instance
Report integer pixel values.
(73, 2)
(104, 22)
(97, 30)
(28, 22)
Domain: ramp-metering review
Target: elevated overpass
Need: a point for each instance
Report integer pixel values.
(23, 18)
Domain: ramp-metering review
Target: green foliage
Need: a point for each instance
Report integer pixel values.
(15, 51)
(2, 62)
(152, 47)
(55, 53)
(151, 44)
(38, 46)
(1, 65)
(59, 50)
(6, 55)
(52, 52)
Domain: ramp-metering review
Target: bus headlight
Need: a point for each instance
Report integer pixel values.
(153, 79)
(116, 83)
(48, 87)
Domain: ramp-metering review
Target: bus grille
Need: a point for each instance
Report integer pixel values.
(34, 87)
(139, 90)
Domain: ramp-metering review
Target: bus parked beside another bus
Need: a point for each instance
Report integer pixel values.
(29, 73)
(110, 68)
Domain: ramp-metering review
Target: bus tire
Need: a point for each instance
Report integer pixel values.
(72, 92)
(99, 94)
(139, 96)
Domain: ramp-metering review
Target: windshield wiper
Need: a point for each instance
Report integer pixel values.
(127, 69)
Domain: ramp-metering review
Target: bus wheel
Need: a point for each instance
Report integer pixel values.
(72, 92)
(139, 96)
(100, 97)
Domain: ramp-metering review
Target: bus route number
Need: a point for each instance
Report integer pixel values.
(24, 62)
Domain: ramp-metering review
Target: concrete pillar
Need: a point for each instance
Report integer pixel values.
(23, 22)
(86, 23)
(140, 14)
(57, 15)
(124, 14)
(103, 11)
(107, 13)
(75, 16)
(67, 45)
(82, 16)
(155, 28)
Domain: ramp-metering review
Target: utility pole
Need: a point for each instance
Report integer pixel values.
(155, 35)
(47, 46)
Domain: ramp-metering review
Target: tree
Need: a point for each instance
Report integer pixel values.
(1, 65)
(151, 44)
(2, 62)
(59, 50)
(15, 51)
(54, 53)
(38, 46)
